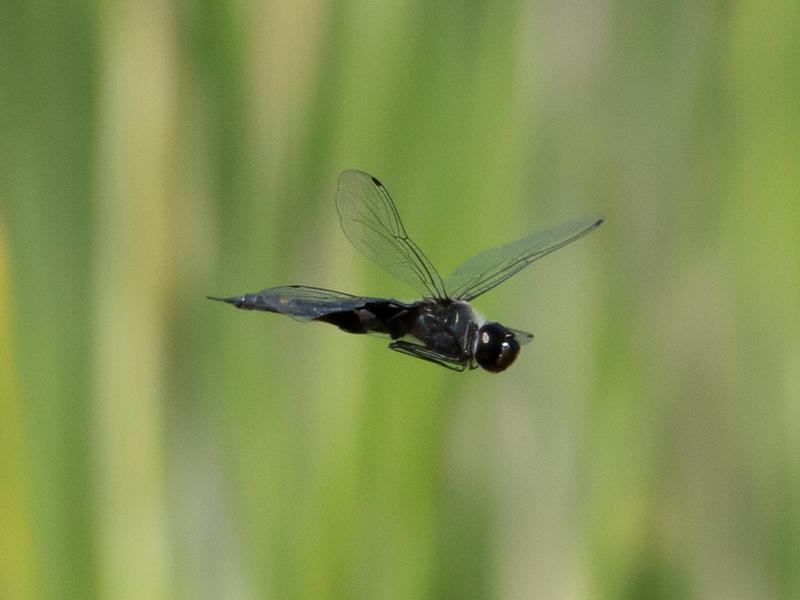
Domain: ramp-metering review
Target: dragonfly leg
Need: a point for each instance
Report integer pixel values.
(449, 362)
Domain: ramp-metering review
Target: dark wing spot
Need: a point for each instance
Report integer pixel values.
(375, 181)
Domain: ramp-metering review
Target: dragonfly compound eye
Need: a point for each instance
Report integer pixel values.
(497, 348)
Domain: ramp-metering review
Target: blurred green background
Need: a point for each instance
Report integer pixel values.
(156, 445)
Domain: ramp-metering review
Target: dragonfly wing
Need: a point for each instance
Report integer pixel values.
(482, 272)
(300, 302)
(523, 337)
(371, 223)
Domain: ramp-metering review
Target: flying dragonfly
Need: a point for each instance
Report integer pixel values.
(442, 327)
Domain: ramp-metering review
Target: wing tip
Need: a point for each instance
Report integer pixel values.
(231, 300)
(347, 173)
(351, 172)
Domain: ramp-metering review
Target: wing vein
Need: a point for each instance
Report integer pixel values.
(371, 222)
(492, 267)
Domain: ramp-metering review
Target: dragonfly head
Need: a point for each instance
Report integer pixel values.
(496, 348)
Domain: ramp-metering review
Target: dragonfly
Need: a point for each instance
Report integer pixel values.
(442, 327)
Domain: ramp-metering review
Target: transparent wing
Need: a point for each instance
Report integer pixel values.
(492, 267)
(371, 223)
(523, 337)
(298, 301)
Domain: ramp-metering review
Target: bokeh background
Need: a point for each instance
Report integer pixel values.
(156, 445)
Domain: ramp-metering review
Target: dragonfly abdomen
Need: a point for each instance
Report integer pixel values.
(390, 318)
